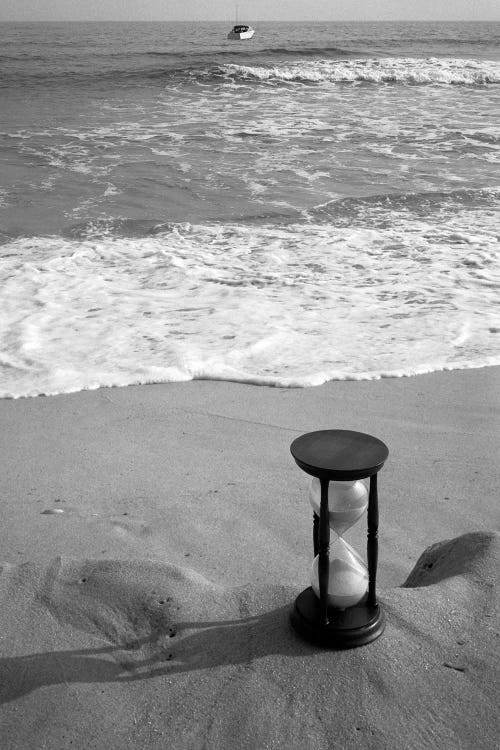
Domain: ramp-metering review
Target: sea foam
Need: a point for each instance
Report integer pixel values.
(292, 305)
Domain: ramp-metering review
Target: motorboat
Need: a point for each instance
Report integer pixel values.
(241, 31)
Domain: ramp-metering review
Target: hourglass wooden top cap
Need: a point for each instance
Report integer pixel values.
(339, 454)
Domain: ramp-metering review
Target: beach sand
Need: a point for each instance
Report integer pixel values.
(153, 540)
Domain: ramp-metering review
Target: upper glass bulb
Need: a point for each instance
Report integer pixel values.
(347, 502)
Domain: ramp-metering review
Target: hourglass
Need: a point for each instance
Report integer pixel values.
(340, 608)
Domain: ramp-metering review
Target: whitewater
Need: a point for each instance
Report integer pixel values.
(279, 214)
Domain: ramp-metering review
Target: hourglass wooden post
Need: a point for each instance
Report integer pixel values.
(372, 541)
(323, 552)
(340, 608)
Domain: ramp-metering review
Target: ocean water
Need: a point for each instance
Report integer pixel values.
(319, 202)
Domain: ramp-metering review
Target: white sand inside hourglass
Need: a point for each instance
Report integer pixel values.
(348, 576)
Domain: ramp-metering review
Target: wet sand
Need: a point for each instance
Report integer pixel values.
(154, 539)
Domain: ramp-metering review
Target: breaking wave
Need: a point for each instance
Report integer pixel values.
(431, 70)
(338, 67)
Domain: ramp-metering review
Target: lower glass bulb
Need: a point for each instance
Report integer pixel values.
(348, 577)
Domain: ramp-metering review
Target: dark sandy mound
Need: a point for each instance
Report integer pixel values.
(474, 556)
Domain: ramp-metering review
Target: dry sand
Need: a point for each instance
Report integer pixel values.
(154, 539)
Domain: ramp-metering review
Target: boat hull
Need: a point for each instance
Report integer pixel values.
(241, 35)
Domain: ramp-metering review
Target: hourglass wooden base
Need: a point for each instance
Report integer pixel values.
(347, 628)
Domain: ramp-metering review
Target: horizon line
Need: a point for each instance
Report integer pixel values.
(261, 20)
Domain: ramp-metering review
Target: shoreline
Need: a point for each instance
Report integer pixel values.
(90, 434)
(263, 382)
(186, 494)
